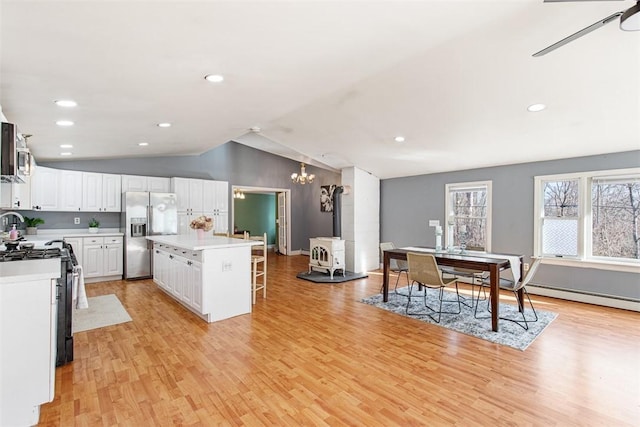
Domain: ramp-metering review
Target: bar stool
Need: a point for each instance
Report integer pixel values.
(259, 256)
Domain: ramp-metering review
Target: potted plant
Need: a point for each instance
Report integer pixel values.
(32, 224)
(93, 225)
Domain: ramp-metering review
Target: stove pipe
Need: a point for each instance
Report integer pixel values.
(337, 211)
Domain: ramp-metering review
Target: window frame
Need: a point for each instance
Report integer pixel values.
(584, 258)
(461, 186)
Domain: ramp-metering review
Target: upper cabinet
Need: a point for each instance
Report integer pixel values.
(154, 184)
(197, 197)
(44, 189)
(16, 196)
(189, 194)
(101, 192)
(70, 191)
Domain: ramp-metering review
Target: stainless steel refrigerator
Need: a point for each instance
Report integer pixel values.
(145, 214)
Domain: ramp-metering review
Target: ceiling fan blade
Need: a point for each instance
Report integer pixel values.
(579, 34)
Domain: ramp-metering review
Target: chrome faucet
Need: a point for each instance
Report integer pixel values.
(20, 217)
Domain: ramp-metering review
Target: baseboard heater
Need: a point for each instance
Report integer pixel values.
(586, 297)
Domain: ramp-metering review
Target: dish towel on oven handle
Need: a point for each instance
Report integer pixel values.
(79, 293)
(514, 261)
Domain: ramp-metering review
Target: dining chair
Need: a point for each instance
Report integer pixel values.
(258, 259)
(476, 277)
(424, 271)
(514, 287)
(395, 265)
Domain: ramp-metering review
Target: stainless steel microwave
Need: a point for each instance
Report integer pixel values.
(15, 158)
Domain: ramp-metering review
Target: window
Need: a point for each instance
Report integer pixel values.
(469, 215)
(589, 217)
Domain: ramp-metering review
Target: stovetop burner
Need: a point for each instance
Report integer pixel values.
(27, 254)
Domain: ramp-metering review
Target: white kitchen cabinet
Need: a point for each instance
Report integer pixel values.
(28, 309)
(44, 189)
(216, 204)
(154, 184)
(70, 191)
(179, 272)
(161, 270)
(214, 283)
(195, 278)
(198, 197)
(158, 184)
(134, 183)
(76, 245)
(102, 257)
(101, 192)
(16, 196)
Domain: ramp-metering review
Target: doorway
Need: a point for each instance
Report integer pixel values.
(259, 199)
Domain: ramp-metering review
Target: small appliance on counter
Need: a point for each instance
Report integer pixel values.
(145, 214)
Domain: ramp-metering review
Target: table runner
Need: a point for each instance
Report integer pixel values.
(514, 261)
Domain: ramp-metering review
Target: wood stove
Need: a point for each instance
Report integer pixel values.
(326, 254)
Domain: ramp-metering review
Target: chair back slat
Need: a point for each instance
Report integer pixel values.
(423, 268)
(394, 264)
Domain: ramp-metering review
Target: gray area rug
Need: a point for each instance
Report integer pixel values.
(104, 310)
(510, 334)
(321, 277)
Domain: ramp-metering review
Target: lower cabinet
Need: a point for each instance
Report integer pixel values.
(102, 257)
(76, 246)
(179, 272)
(28, 311)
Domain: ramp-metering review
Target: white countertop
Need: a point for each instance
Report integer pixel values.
(193, 243)
(27, 270)
(45, 236)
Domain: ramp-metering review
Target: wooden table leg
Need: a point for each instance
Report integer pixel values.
(494, 277)
(385, 277)
(521, 290)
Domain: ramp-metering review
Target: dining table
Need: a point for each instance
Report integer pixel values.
(492, 263)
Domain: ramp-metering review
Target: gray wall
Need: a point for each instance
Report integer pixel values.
(232, 162)
(407, 204)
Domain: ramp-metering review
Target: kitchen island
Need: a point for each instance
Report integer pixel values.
(211, 276)
(28, 308)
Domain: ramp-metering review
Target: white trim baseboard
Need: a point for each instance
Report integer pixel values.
(607, 301)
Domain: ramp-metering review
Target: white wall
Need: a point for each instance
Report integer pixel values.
(361, 220)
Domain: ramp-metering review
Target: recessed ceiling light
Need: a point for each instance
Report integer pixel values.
(66, 146)
(214, 78)
(164, 125)
(66, 153)
(66, 103)
(399, 139)
(536, 107)
(143, 144)
(64, 123)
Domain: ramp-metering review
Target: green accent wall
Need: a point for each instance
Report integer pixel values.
(256, 213)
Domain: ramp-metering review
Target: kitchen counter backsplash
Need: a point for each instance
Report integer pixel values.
(64, 221)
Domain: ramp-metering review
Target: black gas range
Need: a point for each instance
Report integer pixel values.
(68, 260)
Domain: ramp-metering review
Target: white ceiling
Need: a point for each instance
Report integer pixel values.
(328, 82)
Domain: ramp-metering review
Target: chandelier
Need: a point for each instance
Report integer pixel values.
(302, 177)
(237, 194)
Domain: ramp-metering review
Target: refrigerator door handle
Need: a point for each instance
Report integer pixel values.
(150, 222)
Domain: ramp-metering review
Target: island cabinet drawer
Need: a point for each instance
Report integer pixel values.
(186, 253)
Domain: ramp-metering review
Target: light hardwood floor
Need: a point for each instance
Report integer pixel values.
(313, 355)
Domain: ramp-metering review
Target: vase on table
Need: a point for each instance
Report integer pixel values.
(200, 233)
